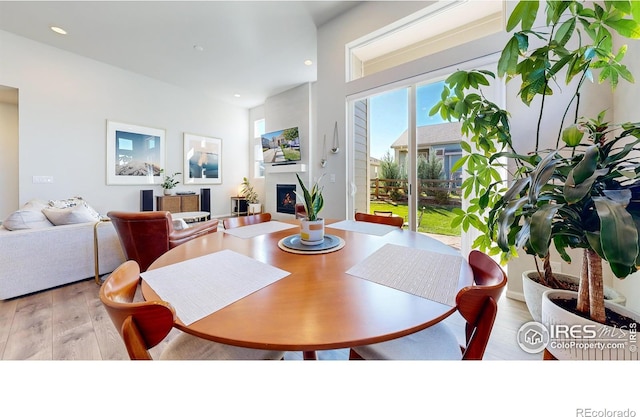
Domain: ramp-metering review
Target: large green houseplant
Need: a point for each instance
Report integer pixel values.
(584, 192)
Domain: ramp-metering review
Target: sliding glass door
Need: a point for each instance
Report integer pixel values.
(403, 157)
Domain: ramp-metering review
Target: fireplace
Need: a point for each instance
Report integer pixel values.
(286, 198)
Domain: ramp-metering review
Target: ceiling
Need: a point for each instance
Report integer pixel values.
(239, 52)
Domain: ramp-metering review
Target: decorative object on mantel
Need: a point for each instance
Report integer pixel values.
(323, 161)
(311, 227)
(336, 144)
(251, 196)
(169, 182)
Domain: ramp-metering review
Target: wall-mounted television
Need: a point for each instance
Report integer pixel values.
(281, 147)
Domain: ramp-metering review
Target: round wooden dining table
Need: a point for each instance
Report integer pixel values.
(318, 306)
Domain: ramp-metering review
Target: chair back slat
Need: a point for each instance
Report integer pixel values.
(301, 211)
(477, 304)
(240, 221)
(372, 218)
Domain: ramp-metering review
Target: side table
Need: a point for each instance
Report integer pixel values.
(191, 216)
(239, 206)
(96, 258)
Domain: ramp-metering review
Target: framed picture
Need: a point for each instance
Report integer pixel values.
(202, 160)
(135, 154)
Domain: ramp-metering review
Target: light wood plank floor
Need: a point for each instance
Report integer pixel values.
(70, 323)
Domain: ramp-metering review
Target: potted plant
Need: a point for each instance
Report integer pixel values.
(169, 183)
(251, 196)
(582, 193)
(311, 227)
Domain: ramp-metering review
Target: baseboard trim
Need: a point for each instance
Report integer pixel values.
(515, 295)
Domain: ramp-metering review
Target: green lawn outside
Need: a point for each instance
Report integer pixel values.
(434, 220)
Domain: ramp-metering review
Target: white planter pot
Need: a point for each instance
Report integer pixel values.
(255, 208)
(311, 232)
(533, 291)
(577, 338)
(167, 191)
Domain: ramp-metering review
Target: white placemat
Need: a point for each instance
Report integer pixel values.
(253, 230)
(200, 286)
(419, 272)
(363, 227)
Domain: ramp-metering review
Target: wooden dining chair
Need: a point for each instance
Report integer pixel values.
(232, 222)
(372, 218)
(301, 211)
(477, 304)
(143, 325)
(146, 235)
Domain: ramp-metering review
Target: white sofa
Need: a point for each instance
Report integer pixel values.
(35, 255)
(38, 259)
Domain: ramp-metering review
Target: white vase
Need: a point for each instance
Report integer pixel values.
(533, 290)
(577, 338)
(255, 208)
(311, 231)
(167, 191)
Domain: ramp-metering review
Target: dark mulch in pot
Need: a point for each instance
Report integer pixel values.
(567, 285)
(613, 319)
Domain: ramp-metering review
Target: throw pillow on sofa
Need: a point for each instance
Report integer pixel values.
(29, 216)
(69, 202)
(72, 202)
(71, 215)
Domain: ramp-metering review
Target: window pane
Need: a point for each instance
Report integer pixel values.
(258, 165)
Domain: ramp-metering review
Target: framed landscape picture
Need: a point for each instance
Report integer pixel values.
(202, 160)
(135, 154)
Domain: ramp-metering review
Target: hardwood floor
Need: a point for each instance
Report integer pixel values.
(70, 323)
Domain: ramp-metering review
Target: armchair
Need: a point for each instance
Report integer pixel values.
(146, 235)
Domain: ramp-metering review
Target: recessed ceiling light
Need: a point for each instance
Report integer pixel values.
(308, 62)
(236, 95)
(198, 48)
(59, 30)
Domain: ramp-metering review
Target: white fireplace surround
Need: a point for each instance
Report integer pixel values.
(280, 174)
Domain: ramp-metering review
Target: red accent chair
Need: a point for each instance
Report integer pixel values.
(146, 235)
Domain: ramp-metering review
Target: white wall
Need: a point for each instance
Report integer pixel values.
(332, 89)
(8, 158)
(65, 101)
